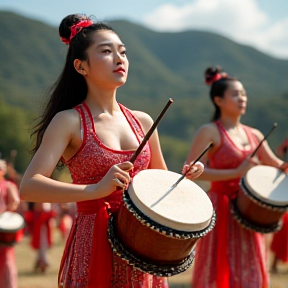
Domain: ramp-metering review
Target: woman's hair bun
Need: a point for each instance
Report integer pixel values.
(67, 23)
(212, 75)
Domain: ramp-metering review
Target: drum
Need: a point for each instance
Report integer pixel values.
(262, 199)
(158, 224)
(10, 224)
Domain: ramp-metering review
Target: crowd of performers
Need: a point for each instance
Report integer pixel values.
(97, 156)
(40, 222)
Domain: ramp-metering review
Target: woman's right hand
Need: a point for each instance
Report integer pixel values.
(246, 165)
(117, 177)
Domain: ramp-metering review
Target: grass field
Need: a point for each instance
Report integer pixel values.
(28, 279)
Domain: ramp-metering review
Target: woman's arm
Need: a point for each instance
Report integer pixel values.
(13, 197)
(37, 186)
(157, 159)
(266, 156)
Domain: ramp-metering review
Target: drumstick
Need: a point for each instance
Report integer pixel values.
(149, 133)
(255, 151)
(191, 165)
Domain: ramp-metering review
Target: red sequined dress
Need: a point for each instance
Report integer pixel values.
(88, 260)
(230, 256)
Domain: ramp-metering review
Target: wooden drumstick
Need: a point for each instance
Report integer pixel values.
(149, 133)
(191, 165)
(255, 151)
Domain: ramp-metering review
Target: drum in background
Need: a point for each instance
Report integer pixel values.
(158, 225)
(262, 199)
(10, 224)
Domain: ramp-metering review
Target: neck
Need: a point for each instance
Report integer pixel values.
(102, 101)
(229, 121)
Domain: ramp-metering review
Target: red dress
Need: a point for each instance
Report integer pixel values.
(230, 256)
(88, 260)
(35, 220)
(8, 268)
(279, 244)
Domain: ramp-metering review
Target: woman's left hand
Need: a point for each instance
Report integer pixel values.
(284, 167)
(196, 170)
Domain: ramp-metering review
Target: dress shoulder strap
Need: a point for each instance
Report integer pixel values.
(133, 121)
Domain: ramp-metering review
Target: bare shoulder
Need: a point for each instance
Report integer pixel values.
(208, 129)
(144, 118)
(257, 133)
(66, 119)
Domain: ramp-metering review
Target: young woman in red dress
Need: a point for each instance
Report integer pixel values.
(9, 201)
(94, 136)
(229, 256)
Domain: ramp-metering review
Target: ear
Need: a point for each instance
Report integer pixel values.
(79, 67)
(218, 100)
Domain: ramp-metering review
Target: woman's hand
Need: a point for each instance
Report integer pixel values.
(284, 167)
(195, 171)
(117, 177)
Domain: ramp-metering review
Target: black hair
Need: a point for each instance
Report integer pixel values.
(218, 86)
(70, 89)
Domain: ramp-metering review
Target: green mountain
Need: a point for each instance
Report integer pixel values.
(162, 65)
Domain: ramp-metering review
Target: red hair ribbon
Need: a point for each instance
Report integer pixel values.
(215, 78)
(76, 29)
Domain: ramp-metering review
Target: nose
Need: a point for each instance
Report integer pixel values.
(120, 58)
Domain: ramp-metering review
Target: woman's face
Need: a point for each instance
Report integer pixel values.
(107, 64)
(234, 101)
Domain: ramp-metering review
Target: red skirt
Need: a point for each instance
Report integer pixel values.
(279, 243)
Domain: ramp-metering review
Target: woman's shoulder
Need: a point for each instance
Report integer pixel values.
(66, 116)
(257, 133)
(145, 119)
(66, 121)
(208, 128)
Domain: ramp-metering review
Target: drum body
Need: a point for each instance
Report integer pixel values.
(10, 224)
(262, 199)
(158, 225)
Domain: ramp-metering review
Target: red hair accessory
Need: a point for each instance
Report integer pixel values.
(76, 29)
(215, 78)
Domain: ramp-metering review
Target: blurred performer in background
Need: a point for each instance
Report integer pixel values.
(279, 244)
(229, 256)
(9, 201)
(66, 214)
(38, 219)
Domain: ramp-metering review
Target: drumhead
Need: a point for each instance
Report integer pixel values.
(185, 207)
(268, 184)
(11, 222)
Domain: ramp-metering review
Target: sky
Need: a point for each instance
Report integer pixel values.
(262, 24)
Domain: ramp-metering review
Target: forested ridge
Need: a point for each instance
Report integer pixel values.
(162, 66)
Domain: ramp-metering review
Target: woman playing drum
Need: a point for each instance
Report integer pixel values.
(9, 201)
(229, 256)
(95, 137)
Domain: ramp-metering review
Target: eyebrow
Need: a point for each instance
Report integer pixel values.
(110, 44)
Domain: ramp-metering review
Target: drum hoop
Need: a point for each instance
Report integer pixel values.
(16, 229)
(158, 270)
(164, 230)
(250, 226)
(258, 201)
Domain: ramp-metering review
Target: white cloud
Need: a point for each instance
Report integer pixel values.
(242, 21)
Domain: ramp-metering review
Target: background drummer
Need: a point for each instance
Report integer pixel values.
(9, 201)
(235, 255)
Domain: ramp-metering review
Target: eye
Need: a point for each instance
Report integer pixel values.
(107, 51)
(123, 52)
